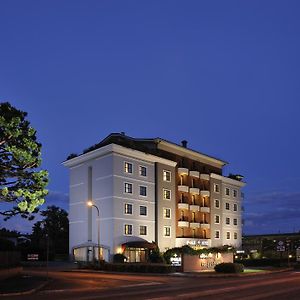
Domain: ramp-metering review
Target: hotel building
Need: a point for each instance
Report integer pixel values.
(150, 192)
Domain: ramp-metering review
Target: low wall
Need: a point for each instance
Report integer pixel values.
(197, 263)
(6, 273)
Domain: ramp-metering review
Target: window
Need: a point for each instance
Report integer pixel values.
(216, 188)
(234, 221)
(128, 188)
(235, 236)
(143, 190)
(143, 210)
(167, 194)
(143, 230)
(228, 235)
(217, 203)
(227, 191)
(128, 229)
(167, 231)
(143, 171)
(235, 207)
(217, 234)
(234, 193)
(128, 209)
(128, 167)
(227, 206)
(217, 219)
(167, 213)
(166, 175)
(227, 221)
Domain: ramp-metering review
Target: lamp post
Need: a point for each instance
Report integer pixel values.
(91, 204)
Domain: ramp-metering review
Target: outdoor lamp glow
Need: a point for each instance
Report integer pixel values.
(89, 203)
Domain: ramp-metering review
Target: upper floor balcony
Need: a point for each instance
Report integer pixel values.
(183, 171)
(195, 174)
(194, 207)
(183, 205)
(205, 225)
(204, 176)
(183, 188)
(205, 209)
(183, 222)
(205, 193)
(194, 224)
(194, 191)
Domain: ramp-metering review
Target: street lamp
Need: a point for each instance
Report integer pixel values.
(91, 204)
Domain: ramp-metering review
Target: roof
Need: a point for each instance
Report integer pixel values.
(147, 145)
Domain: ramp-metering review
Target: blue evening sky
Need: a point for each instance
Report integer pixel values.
(223, 75)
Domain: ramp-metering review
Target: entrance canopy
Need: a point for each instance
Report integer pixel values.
(140, 244)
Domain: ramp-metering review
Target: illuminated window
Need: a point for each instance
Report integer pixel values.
(127, 167)
(228, 235)
(143, 230)
(143, 171)
(128, 188)
(128, 209)
(143, 210)
(167, 194)
(143, 190)
(167, 213)
(166, 176)
(128, 229)
(167, 231)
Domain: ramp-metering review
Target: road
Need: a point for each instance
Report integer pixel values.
(88, 286)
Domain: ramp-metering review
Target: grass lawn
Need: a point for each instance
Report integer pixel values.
(253, 270)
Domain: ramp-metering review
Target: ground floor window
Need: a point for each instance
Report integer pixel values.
(136, 254)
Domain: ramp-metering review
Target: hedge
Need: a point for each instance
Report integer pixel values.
(229, 268)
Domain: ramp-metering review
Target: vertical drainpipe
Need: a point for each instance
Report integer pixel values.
(90, 198)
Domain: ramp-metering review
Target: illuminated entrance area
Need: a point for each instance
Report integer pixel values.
(138, 251)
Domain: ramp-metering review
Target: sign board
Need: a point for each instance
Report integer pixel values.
(176, 260)
(32, 257)
(298, 254)
(280, 246)
(197, 243)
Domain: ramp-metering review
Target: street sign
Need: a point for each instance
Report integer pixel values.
(280, 246)
(32, 257)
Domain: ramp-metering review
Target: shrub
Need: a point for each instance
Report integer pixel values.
(229, 268)
(119, 258)
(155, 257)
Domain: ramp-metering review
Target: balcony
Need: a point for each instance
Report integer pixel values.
(183, 188)
(204, 176)
(194, 207)
(183, 171)
(194, 191)
(205, 193)
(205, 225)
(205, 209)
(183, 224)
(183, 206)
(194, 224)
(195, 174)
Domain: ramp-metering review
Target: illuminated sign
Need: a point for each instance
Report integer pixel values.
(197, 243)
(176, 260)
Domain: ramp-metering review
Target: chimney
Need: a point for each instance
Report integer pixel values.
(184, 143)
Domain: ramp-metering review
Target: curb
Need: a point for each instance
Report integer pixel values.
(42, 285)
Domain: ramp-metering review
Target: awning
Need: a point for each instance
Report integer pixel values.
(139, 244)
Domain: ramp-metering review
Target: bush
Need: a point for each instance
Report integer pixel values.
(155, 257)
(119, 258)
(229, 268)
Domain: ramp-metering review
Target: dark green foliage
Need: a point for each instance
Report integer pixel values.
(229, 268)
(134, 268)
(6, 245)
(20, 156)
(119, 258)
(55, 227)
(155, 256)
